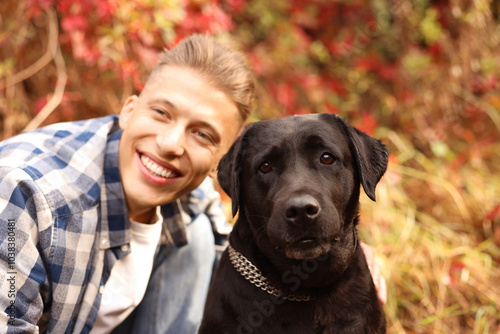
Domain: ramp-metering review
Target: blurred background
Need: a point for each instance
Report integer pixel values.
(421, 75)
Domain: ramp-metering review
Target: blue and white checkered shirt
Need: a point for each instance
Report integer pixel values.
(64, 223)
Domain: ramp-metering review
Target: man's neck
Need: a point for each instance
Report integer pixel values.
(145, 216)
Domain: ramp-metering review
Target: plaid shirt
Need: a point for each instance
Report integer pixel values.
(64, 223)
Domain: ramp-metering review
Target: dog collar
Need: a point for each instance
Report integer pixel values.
(253, 274)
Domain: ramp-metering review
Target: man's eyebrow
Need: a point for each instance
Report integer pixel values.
(165, 102)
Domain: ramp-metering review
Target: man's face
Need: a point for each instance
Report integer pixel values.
(174, 134)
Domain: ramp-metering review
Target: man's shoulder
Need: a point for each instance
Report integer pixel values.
(64, 160)
(81, 131)
(58, 143)
(198, 200)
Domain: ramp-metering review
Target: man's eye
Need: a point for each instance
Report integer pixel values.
(265, 168)
(159, 112)
(204, 136)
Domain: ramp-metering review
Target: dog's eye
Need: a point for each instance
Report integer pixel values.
(327, 159)
(265, 168)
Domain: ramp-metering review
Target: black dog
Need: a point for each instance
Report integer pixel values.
(294, 264)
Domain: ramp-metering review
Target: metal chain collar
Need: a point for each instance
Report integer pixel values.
(251, 273)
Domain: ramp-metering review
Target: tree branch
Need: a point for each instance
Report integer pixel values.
(62, 78)
(42, 61)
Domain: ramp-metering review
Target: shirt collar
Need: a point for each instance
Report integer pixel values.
(115, 223)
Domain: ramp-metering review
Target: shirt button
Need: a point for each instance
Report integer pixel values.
(101, 289)
(104, 242)
(125, 247)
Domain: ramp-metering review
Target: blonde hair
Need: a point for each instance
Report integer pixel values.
(222, 67)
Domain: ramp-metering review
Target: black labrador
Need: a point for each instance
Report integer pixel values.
(294, 264)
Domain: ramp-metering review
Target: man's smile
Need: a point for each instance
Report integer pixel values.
(156, 169)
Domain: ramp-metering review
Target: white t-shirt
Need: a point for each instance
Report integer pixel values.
(129, 277)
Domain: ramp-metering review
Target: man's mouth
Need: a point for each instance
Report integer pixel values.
(156, 169)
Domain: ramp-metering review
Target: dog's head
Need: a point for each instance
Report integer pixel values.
(297, 179)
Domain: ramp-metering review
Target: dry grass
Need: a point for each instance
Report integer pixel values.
(430, 230)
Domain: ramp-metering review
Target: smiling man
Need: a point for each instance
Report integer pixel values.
(84, 205)
(175, 132)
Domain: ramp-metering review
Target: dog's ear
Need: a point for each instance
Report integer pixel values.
(229, 170)
(370, 155)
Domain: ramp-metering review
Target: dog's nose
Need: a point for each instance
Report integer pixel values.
(301, 208)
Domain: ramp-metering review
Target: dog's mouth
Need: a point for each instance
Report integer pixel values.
(307, 248)
(306, 241)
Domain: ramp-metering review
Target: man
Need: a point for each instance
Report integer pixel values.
(83, 205)
(78, 199)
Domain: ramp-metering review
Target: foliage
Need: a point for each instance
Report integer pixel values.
(422, 75)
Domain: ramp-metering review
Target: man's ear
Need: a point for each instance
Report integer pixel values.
(127, 109)
(370, 155)
(213, 173)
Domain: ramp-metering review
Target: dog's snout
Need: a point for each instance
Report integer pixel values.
(300, 208)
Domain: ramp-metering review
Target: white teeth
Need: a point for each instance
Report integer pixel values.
(156, 169)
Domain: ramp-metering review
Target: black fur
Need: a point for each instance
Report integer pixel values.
(297, 224)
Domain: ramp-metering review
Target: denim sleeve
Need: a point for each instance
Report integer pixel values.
(205, 199)
(215, 213)
(24, 217)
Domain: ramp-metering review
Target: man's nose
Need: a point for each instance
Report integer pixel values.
(171, 142)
